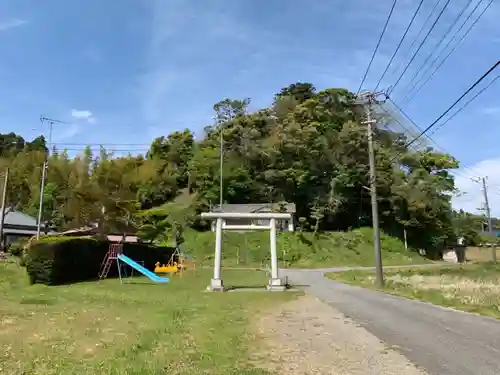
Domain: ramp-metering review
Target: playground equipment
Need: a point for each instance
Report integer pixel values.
(111, 256)
(275, 283)
(115, 254)
(181, 261)
(151, 275)
(169, 268)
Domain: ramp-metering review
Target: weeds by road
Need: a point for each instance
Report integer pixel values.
(472, 288)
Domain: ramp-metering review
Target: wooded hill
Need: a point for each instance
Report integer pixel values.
(308, 148)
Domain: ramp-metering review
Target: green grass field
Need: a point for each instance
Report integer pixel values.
(136, 328)
(472, 287)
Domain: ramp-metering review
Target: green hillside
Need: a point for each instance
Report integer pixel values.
(328, 249)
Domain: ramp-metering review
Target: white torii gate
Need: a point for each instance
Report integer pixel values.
(275, 282)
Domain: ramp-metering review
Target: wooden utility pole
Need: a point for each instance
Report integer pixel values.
(221, 167)
(45, 166)
(369, 99)
(4, 201)
(488, 219)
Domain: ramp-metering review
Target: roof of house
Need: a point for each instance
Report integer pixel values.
(78, 231)
(22, 232)
(119, 238)
(19, 219)
(254, 207)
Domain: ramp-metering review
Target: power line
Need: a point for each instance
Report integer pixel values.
(461, 171)
(455, 173)
(419, 47)
(106, 150)
(418, 35)
(377, 46)
(399, 44)
(428, 136)
(100, 144)
(465, 105)
(413, 122)
(452, 50)
(429, 56)
(474, 173)
(453, 105)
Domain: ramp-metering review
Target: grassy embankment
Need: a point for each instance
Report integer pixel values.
(471, 287)
(136, 328)
(302, 250)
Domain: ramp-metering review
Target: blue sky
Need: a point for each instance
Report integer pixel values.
(124, 72)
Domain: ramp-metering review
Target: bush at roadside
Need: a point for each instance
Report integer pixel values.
(16, 248)
(60, 260)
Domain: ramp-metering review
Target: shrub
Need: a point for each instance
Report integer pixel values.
(59, 260)
(16, 248)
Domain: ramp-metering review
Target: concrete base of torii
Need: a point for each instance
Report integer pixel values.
(276, 285)
(216, 285)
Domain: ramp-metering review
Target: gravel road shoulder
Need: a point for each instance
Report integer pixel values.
(307, 336)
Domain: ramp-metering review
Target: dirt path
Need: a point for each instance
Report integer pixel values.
(307, 336)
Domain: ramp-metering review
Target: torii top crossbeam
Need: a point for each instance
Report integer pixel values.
(246, 215)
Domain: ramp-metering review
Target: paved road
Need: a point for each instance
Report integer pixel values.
(441, 341)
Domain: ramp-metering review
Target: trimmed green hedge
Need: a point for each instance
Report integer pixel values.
(61, 260)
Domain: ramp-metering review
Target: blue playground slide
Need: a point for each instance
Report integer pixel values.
(151, 275)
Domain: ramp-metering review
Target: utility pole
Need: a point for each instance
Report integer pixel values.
(369, 98)
(44, 171)
(4, 201)
(40, 203)
(221, 182)
(221, 156)
(488, 218)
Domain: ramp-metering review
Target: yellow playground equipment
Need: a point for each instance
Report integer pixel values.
(184, 262)
(169, 268)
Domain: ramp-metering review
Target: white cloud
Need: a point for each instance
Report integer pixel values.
(490, 110)
(66, 132)
(83, 115)
(471, 197)
(80, 113)
(10, 24)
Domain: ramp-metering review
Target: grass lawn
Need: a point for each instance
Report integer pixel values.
(136, 328)
(340, 257)
(472, 287)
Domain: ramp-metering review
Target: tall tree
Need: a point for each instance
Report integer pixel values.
(308, 147)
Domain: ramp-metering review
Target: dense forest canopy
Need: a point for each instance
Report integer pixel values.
(308, 147)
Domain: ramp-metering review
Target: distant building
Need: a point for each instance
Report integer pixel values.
(18, 225)
(287, 225)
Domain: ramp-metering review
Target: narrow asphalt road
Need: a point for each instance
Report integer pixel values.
(439, 340)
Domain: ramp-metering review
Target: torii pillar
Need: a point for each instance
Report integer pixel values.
(275, 283)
